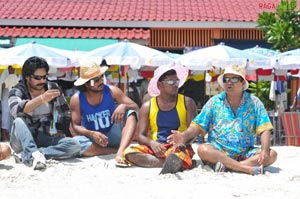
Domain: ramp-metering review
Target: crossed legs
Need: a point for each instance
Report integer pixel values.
(127, 134)
(210, 155)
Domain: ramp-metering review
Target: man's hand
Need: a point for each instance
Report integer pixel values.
(176, 138)
(100, 138)
(158, 148)
(119, 113)
(264, 155)
(50, 95)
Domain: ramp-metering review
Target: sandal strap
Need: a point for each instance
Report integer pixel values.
(258, 170)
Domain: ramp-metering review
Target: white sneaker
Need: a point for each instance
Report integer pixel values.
(39, 161)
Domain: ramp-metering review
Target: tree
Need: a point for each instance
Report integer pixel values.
(282, 28)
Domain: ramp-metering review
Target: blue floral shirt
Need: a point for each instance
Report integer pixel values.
(234, 133)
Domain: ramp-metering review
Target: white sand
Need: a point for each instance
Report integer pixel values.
(97, 177)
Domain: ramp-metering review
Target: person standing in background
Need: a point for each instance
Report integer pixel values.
(10, 80)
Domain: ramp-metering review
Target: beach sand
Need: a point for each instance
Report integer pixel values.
(99, 178)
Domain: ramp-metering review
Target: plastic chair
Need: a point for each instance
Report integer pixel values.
(291, 125)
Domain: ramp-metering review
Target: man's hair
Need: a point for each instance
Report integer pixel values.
(31, 64)
(168, 73)
(81, 88)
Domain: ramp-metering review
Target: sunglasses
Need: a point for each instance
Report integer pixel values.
(172, 82)
(97, 79)
(232, 79)
(39, 77)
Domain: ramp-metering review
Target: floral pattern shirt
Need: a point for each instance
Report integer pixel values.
(233, 133)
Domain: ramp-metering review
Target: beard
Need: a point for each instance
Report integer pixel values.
(98, 89)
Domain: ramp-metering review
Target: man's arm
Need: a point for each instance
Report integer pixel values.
(124, 104)
(143, 124)
(191, 110)
(185, 137)
(18, 104)
(76, 116)
(265, 146)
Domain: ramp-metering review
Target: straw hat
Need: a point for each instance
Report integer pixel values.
(88, 71)
(181, 72)
(236, 70)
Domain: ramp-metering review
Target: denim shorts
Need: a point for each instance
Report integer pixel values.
(114, 135)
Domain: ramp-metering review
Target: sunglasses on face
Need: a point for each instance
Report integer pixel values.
(39, 77)
(232, 79)
(97, 79)
(172, 82)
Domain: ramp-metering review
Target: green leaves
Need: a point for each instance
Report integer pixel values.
(282, 28)
(262, 91)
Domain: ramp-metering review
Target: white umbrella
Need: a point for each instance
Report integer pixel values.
(289, 60)
(220, 56)
(129, 54)
(262, 51)
(19, 54)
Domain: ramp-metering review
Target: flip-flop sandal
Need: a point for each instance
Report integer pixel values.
(122, 162)
(258, 170)
(219, 167)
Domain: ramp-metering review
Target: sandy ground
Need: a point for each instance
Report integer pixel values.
(99, 178)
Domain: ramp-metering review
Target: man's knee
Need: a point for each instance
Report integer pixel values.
(205, 151)
(273, 157)
(202, 149)
(18, 121)
(5, 151)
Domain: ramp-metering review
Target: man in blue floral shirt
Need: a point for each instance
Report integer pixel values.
(232, 121)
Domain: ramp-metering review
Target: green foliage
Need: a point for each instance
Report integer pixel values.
(68, 98)
(262, 91)
(282, 28)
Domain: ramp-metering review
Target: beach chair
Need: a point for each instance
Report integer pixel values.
(291, 128)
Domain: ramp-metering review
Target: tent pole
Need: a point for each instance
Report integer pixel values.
(256, 82)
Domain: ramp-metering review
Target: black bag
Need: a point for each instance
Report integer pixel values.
(64, 117)
(63, 126)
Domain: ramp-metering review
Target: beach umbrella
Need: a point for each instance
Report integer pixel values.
(253, 74)
(18, 55)
(289, 60)
(173, 55)
(220, 56)
(262, 51)
(128, 54)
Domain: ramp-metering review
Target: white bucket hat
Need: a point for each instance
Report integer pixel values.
(236, 70)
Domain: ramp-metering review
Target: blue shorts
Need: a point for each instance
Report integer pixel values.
(114, 135)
